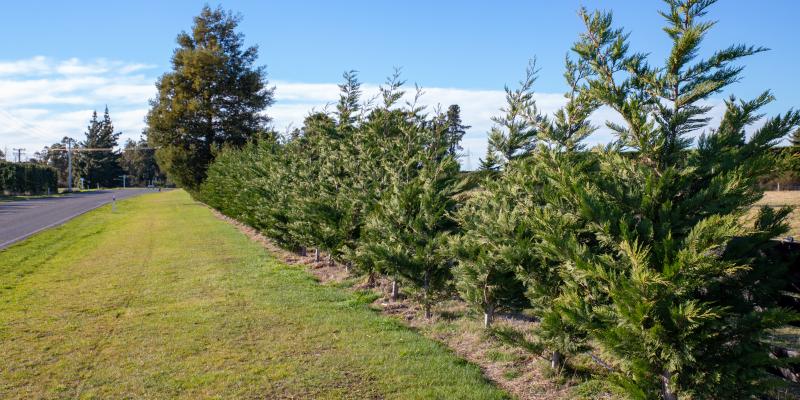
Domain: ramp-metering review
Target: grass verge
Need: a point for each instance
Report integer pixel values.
(163, 300)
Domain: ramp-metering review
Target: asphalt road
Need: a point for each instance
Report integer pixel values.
(20, 219)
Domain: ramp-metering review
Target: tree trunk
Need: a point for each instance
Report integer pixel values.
(303, 252)
(427, 299)
(395, 290)
(557, 361)
(347, 267)
(330, 260)
(666, 390)
(316, 255)
(488, 316)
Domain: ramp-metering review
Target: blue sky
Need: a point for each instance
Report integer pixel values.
(59, 60)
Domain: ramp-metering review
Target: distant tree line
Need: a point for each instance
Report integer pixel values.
(636, 250)
(26, 178)
(99, 160)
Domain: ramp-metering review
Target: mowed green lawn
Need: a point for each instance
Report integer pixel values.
(163, 300)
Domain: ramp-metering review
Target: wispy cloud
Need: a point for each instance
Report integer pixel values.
(31, 66)
(44, 99)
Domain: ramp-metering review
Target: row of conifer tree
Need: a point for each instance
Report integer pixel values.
(644, 249)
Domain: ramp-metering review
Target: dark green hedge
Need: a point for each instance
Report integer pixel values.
(27, 178)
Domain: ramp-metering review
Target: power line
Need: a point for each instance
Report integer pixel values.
(30, 128)
(98, 149)
(19, 154)
(69, 150)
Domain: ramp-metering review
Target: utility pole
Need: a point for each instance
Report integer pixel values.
(123, 180)
(69, 165)
(19, 154)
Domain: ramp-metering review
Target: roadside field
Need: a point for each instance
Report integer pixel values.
(163, 300)
(786, 198)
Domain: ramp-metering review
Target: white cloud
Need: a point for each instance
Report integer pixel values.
(132, 92)
(74, 66)
(130, 68)
(35, 65)
(306, 92)
(42, 100)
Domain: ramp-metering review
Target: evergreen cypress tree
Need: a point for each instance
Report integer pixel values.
(555, 299)
(651, 246)
(329, 209)
(495, 240)
(408, 229)
(314, 216)
(489, 250)
(411, 225)
(514, 133)
(384, 151)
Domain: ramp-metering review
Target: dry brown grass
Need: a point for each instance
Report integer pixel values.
(782, 198)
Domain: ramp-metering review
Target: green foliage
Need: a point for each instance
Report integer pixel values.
(55, 156)
(492, 244)
(409, 229)
(27, 178)
(501, 262)
(138, 161)
(359, 183)
(251, 185)
(214, 96)
(659, 268)
(496, 246)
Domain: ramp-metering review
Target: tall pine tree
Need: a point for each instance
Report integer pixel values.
(214, 96)
(98, 163)
(455, 128)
